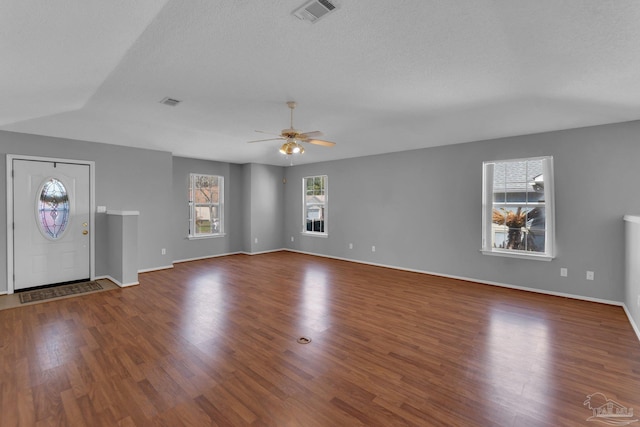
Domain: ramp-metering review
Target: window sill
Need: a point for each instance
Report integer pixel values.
(206, 236)
(513, 254)
(316, 234)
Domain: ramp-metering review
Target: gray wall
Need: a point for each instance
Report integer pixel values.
(266, 201)
(115, 248)
(422, 209)
(126, 179)
(182, 247)
(122, 246)
(246, 203)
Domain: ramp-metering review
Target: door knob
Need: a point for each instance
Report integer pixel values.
(85, 232)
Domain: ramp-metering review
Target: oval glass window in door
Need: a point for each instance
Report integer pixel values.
(53, 208)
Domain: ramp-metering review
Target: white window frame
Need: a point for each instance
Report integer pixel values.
(192, 207)
(488, 205)
(325, 206)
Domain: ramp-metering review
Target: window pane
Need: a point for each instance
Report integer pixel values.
(207, 219)
(534, 168)
(206, 189)
(536, 221)
(313, 212)
(500, 237)
(499, 182)
(315, 226)
(53, 208)
(512, 224)
(516, 172)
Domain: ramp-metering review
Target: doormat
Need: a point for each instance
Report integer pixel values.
(59, 291)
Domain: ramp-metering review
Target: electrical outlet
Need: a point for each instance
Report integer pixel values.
(350, 245)
(639, 301)
(292, 239)
(164, 251)
(255, 240)
(563, 272)
(373, 248)
(589, 275)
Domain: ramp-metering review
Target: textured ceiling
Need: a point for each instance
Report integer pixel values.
(375, 76)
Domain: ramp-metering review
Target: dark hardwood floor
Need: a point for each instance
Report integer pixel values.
(214, 343)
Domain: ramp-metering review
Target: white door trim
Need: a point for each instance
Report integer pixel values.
(92, 210)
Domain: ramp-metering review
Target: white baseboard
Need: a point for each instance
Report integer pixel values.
(471, 279)
(264, 252)
(178, 261)
(164, 267)
(633, 323)
(206, 257)
(122, 285)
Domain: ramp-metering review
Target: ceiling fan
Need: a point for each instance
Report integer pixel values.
(293, 137)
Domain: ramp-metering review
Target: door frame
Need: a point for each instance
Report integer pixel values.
(92, 210)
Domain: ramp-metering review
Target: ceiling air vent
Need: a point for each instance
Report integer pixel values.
(170, 102)
(313, 10)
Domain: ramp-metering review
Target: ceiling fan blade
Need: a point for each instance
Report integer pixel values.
(321, 142)
(268, 133)
(268, 139)
(313, 134)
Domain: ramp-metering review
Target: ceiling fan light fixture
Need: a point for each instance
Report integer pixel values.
(291, 147)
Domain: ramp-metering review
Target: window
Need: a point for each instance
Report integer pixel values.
(315, 204)
(53, 209)
(206, 201)
(518, 213)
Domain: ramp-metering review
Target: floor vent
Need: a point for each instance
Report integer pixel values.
(170, 102)
(313, 10)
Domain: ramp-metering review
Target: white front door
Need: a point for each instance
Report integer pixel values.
(51, 235)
